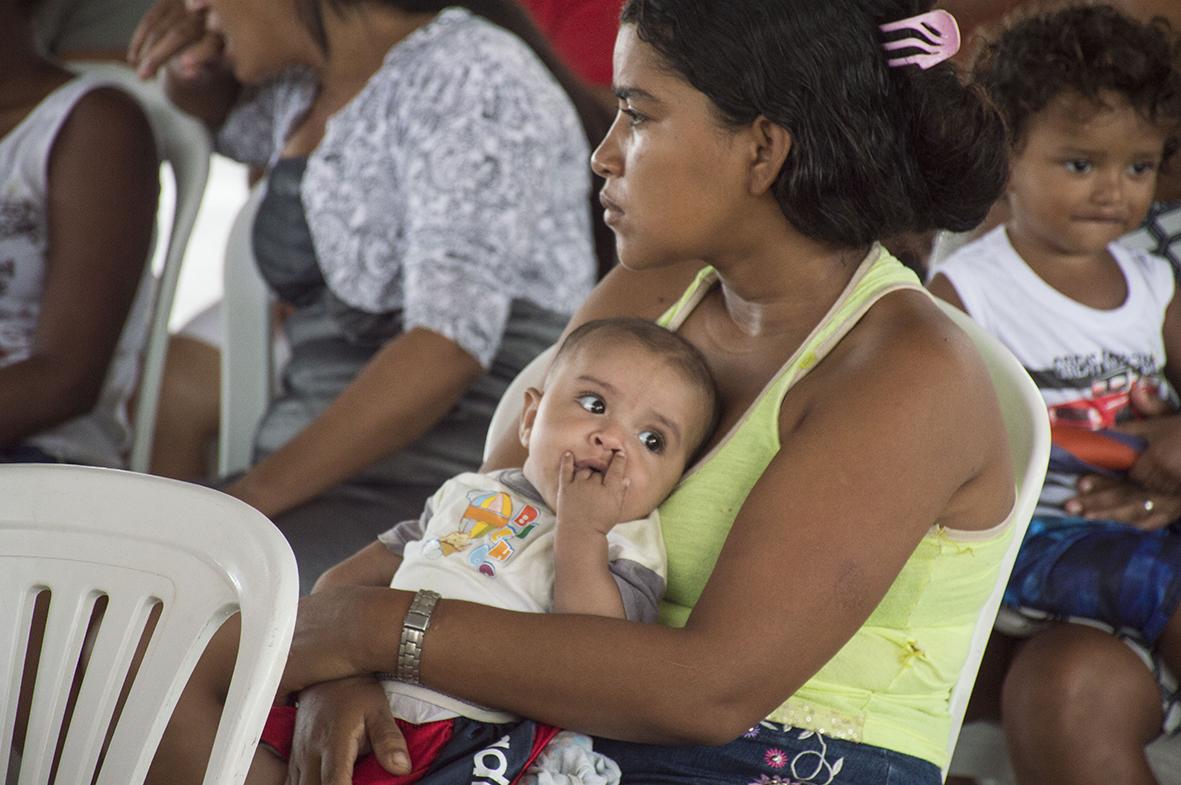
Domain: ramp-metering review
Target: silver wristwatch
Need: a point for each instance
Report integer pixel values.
(414, 626)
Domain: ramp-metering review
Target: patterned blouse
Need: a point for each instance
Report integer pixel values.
(453, 184)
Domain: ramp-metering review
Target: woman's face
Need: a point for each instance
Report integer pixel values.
(674, 176)
(262, 37)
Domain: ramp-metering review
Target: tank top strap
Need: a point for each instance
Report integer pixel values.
(679, 311)
(697, 516)
(878, 274)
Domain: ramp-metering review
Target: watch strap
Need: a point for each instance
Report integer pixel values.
(414, 627)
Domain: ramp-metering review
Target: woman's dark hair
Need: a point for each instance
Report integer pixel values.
(875, 150)
(1089, 51)
(509, 15)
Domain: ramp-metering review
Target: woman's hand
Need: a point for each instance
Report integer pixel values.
(171, 34)
(1118, 499)
(341, 632)
(337, 723)
(1159, 466)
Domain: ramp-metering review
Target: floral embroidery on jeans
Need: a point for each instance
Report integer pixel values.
(810, 767)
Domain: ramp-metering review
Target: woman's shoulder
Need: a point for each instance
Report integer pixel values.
(83, 100)
(645, 294)
(908, 359)
(107, 121)
(108, 103)
(462, 60)
(906, 368)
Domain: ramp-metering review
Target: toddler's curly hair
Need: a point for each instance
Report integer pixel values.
(1088, 50)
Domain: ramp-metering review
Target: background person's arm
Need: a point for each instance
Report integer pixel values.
(1158, 469)
(197, 78)
(103, 183)
(392, 402)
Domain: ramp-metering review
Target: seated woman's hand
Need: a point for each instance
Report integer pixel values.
(338, 722)
(1120, 499)
(171, 34)
(340, 632)
(1159, 466)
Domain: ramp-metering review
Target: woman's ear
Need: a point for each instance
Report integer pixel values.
(770, 146)
(529, 415)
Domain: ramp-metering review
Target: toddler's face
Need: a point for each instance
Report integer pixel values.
(1084, 177)
(608, 398)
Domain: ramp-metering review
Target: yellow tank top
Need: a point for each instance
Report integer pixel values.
(889, 686)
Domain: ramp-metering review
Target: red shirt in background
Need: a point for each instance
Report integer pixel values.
(582, 32)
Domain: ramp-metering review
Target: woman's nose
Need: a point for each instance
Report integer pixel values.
(606, 160)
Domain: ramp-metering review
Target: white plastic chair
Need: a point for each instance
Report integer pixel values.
(507, 415)
(247, 351)
(980, 752)
(81, 534)
(184, 144)
(1028, 428)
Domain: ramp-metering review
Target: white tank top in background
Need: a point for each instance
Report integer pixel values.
(101, 437)
(1074, 353)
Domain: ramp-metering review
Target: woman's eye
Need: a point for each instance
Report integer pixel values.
(653, 441)
(593, 404)
(1078, 166)
(634, 118)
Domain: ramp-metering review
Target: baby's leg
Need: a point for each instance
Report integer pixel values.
(187, 741)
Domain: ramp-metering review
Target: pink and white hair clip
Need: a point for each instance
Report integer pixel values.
(936, 36)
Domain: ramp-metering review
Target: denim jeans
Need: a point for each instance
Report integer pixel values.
(769, 754)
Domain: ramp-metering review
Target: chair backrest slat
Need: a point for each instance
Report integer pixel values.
(132, 566)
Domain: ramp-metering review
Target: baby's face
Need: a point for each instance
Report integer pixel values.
(607, 398)
(1084, 177)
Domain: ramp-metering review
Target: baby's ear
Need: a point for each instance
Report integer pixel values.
(529, 415)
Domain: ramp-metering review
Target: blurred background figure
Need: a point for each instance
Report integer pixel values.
(78, 189)
(87, 29)
(426, 221)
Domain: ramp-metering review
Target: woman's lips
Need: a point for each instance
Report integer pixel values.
(612, 212)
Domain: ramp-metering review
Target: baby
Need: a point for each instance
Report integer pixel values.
(624, 407)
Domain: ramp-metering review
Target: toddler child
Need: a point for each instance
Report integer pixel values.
(1093, 103)
(624, 407)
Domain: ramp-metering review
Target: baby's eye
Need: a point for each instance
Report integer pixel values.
(592, 403)
(653, 441)
(1142, 168)
(1079, 166)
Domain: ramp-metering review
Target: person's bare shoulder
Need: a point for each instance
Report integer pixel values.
(110, 121)
(645, 294)
(915, 369)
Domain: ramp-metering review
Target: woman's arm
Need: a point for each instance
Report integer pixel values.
(103, 182)
(874, 447)
(392, 402)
